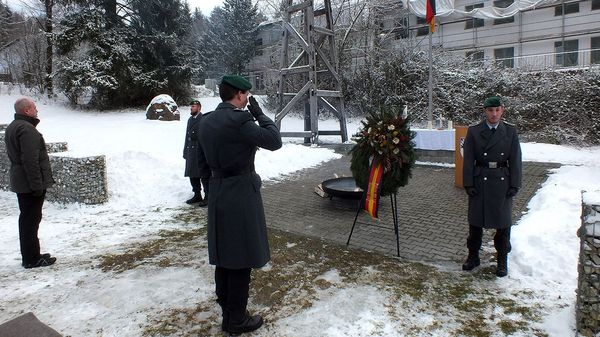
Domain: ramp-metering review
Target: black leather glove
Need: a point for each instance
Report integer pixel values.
(254, 108)
(512, 192)
(38, 193)
(471, 191)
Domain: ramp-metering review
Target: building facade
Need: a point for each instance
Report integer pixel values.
(559, 35)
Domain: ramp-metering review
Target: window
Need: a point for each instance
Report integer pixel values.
(475, 56)
(473, 23)
(422, 30)
(571, 7)
(258, 51)
(259, 83)
(505, 57)
(595, 4)
(566, 55)
(503, 4)
(595, 57)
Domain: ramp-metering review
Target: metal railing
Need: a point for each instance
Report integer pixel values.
(583, 58)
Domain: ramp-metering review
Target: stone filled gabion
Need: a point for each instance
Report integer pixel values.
(80, 179)
(588, 293)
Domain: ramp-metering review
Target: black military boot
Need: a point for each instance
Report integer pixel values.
(247, 323)
(196, 198)
(502, 269)
(203, 202)
(472, 261)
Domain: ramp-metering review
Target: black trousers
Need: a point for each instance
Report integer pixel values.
(30, 207)
(198, 184)
(501, 240)
(232, 287)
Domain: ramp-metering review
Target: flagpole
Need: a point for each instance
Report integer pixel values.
(430, 85)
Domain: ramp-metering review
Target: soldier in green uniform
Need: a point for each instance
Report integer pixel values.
(492, 177)
(237, 232)
(195, 167)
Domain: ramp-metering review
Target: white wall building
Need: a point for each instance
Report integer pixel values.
(561, 34)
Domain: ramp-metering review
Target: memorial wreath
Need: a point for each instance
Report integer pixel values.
(385, 138)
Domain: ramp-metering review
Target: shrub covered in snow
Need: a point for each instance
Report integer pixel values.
(547, 106)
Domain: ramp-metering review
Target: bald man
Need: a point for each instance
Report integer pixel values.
(30, 176)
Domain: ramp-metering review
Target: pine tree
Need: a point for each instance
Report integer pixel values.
(162, 29)
(97, 56)
(230, 39)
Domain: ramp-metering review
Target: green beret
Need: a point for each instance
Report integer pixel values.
(492, 102)
(237, 82)
(195, 102)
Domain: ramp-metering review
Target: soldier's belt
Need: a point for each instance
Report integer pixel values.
(231, 172)
(491, 164)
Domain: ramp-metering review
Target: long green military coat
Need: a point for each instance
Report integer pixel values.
(491, 207)
(195, 165)
(237, 232)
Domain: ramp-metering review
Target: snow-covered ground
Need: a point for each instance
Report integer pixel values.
(146, 187)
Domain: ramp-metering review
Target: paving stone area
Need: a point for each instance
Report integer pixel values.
(432, 211)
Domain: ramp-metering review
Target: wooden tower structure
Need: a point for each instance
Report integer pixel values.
(311, 78)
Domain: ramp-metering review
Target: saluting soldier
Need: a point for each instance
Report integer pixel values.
(195, 167)
(492, 174)
(237, 232)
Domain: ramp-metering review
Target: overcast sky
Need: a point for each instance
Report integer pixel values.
(206, 6)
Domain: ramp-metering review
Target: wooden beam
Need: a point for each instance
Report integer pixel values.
(288, 107)
(320, 12)
(297, 134)
(328, 64)
(330, 107)
(329, 133)
(328, 93)
(297, 35)
(298, 7)
(297, 59)
(295, 70)
(323, 30)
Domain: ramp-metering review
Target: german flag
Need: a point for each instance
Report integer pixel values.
(372, 197)
(430, 15)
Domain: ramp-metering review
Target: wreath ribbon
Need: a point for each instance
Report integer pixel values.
(372, 197)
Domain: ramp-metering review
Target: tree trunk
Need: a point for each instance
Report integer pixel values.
(110, 8)
(49, 4)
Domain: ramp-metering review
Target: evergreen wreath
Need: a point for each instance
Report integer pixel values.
(385, 137)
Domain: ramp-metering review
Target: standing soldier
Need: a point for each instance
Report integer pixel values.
(194, 167)
(492, 177)
(30, 176)
(237, 231)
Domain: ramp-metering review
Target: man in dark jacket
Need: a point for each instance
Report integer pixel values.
(492, 177)
(195, 168)
(30, 176)
(237, 232)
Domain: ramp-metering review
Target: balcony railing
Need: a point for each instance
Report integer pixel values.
(583, 58)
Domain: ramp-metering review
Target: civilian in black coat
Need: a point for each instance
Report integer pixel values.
(30, 176)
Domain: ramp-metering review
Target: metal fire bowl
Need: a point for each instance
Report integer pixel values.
(344, 187)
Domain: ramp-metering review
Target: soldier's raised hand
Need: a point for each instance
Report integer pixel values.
(254, 108)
